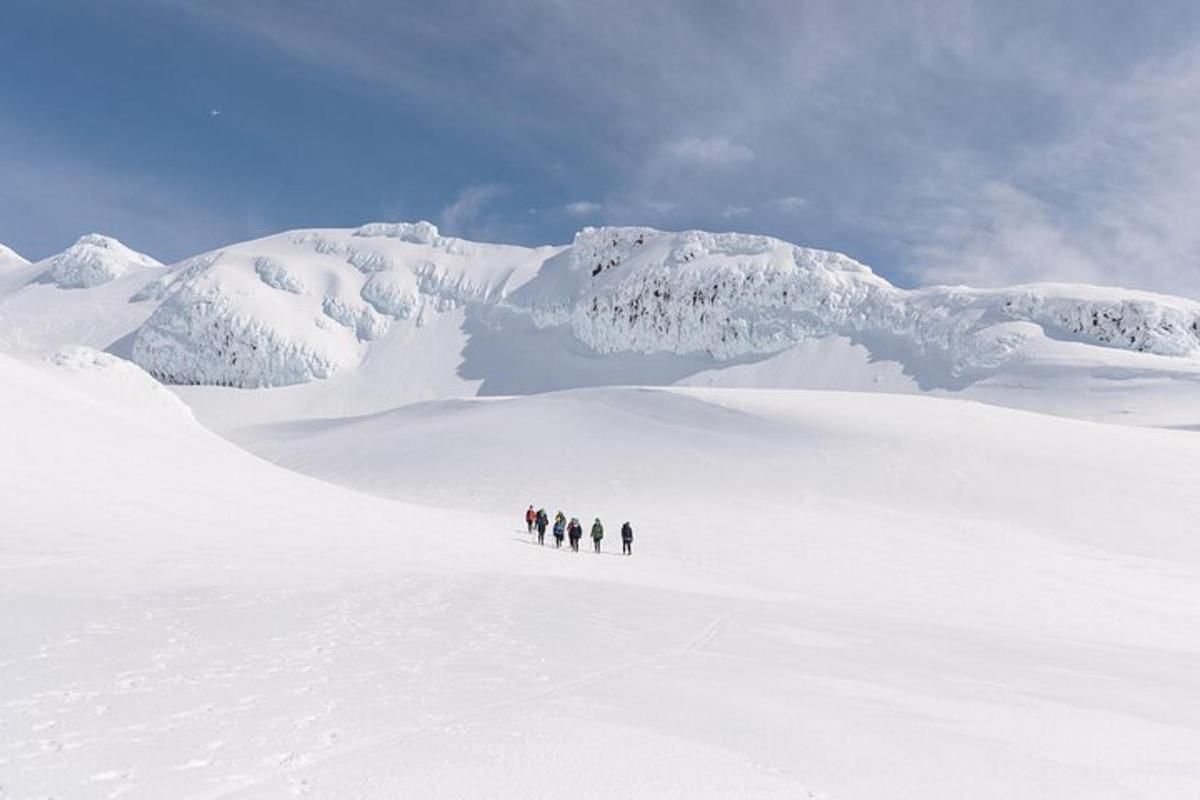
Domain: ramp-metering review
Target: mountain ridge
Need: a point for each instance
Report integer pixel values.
(377, 305)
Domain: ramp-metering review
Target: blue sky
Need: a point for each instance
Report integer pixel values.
(981, 142)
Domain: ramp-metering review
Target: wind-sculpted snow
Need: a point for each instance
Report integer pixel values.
(93, 260)
(1137, 321)
(414, 232)
(637, 290)
(277, 275)
(360, 318)
(199, 339)
(308, 304)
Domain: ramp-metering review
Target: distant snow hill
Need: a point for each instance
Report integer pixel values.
(392, 313)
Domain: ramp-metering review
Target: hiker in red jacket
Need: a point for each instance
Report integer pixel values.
(530, 518)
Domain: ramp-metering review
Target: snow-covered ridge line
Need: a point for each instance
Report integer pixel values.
(644, 291)
(10, 257)
(304, 305)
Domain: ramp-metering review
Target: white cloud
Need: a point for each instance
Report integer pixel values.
(735, 212)
(714, 150)
(1115, 201)
(788, 204)
(965, 140)
(464, 217)
(583, 208)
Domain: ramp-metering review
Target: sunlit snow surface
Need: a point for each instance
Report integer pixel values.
(885, 592)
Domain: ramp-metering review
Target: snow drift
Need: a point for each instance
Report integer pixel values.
(918, 590)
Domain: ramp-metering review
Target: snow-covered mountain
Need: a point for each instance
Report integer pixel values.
(92, 261)
(303, 306)
(10, 258)
(395, 312)
(335, 597)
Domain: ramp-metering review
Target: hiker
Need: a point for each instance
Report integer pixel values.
(560, 527)
(540, 522)
(597, 533)
(627, 539)
(530, 518)
(574, 533)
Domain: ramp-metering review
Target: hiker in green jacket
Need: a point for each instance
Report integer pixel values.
(597, 533)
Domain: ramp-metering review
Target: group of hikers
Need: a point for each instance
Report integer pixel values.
(572, 530)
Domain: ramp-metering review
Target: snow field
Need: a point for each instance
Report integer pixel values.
(821, 581)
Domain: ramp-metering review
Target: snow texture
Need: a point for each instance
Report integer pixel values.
(636, 291)
(335, 596)
(397, 313)
(316, 301)
(93, 260)
(643, 291)
(935, 599)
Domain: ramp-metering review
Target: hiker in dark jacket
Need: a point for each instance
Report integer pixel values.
(597, 533)
(627, 539)
(574, 533)
(560, 528)
(540, 523)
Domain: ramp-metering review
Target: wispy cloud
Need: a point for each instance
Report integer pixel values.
(735, 212)
(1114, 201)
(714, 150)
(788, 204)
(45, 204)
(583, 208)
(970, 140)
(467, 217)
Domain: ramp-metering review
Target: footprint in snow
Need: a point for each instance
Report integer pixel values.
(109, 775)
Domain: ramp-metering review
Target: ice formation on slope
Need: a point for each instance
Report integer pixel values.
(645, 291)
(93, 260)
(304, 305)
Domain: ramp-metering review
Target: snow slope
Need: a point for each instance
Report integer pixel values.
(300, 308)
(81, 296)
(349, 321)
(305, 305)
(10, 258)
(833, 595)
(639, 306)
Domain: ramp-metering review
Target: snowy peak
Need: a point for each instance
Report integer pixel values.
(399, 305)
(94, 260)
(11, 258)
(306, 304)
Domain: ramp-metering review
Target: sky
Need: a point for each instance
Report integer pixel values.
(939, 142)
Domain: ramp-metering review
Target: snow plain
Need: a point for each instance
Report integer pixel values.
(325, 589)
